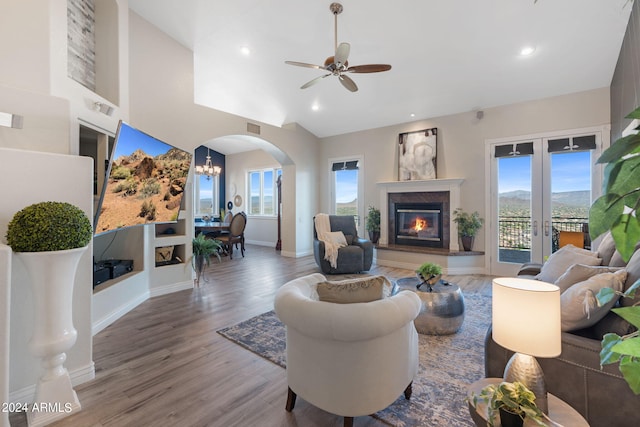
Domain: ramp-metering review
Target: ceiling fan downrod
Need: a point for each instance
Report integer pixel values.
(336, 9)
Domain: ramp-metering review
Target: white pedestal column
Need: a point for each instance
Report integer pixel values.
(52, 277)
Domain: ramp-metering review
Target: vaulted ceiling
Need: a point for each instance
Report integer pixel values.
(447, 56)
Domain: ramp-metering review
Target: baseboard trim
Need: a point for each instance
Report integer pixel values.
(260, 243)
(168, 289)
(78, 376)
(118, 313)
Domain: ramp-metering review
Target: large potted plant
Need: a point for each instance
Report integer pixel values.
(617, 210)
(468, 226)
(513, 402)
(203, 249)
(49, 238)
(373, 224)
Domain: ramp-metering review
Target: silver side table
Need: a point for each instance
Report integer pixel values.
(442, 311)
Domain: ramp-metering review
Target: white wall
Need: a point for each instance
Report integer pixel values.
(161, 103)
(461, 140)
(72, 182)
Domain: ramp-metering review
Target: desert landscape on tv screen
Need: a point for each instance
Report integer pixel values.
(146, 182)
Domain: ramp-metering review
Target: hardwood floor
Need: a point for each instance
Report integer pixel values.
(163, 364)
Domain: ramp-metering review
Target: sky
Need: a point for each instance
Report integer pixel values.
(130, 139)
(569, 172)
(346, 186)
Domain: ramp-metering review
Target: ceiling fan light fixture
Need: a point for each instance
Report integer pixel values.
(338, 64)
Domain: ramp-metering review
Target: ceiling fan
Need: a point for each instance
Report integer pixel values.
(338, 64)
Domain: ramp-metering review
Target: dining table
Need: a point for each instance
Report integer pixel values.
(209, 226)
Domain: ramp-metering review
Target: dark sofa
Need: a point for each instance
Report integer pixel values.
(601, 395)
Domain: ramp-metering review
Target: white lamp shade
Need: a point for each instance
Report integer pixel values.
(526, 316)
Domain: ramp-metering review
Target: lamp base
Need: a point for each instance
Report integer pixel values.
(525, 369)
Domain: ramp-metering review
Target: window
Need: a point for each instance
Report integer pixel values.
(207, 191)
(263, 197)
(346, 188)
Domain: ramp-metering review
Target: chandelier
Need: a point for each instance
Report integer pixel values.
(208, 168)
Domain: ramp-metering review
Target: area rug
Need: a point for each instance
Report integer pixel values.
(448, 364)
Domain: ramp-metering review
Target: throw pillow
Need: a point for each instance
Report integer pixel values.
(562, 259)
(581, 251)
(581, 272)
(366, 289)
(606, 248)
(578, 304)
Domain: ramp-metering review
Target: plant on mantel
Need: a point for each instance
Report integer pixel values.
(617, 210)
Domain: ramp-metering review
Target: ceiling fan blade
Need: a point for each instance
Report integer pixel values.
(369, 68)
(314, 81)
(304, 64)
(342, 53)
(348, 83)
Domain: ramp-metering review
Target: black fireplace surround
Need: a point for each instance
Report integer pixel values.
(419, 224)
(419, 219)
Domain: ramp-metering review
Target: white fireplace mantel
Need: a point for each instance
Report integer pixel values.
(452, 185)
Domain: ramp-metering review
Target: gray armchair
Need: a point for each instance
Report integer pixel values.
(357, 256)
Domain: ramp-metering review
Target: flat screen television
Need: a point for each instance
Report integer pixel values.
(146, 180)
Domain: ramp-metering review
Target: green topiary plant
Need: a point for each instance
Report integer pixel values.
(49, 226)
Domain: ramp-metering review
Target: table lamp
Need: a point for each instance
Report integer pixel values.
(526, 320)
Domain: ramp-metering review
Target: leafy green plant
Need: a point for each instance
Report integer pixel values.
(616, 210)
(429, 269)
(468, 224)
(203, 248)
(49, 226)
(514, 397)
(373, 219)
(430, 274)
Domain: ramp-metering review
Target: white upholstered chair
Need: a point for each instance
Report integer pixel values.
(348, 359)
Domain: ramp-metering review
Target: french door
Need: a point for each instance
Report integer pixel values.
(541, 188)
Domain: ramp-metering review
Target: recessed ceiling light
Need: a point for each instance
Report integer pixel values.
(245, 51)
(527, 50)
(412, 114)
(315, 107)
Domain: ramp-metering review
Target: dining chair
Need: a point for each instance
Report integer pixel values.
(235, 235)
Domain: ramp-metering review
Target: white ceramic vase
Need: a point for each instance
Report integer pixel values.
(52, 277)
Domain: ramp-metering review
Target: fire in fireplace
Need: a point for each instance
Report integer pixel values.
(419, 224)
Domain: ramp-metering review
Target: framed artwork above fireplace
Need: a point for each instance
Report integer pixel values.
(417, 155)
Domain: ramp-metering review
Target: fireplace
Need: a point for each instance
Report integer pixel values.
(419, 224)
(419, 219)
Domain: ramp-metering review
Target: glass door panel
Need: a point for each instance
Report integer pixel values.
(571, 174)
(514, 209)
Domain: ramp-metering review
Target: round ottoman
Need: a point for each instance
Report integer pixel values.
(442, 311)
